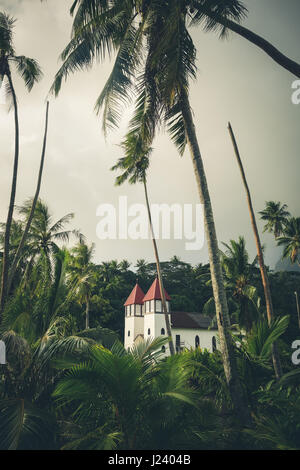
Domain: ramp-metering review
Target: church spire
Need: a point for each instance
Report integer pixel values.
(136, 296)
(154, 292)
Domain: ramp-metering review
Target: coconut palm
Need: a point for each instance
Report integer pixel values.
(38, 328)
(134, 167)
(124, 265)
(142, 267)
(290, 240)
(45, 234)
(30, 71)
(243, 299)
(82, 275)
(276, 216)
(238, 281)
(259, 249)
(133, 400)
(144, 36)
(33, 206)
(221, 16)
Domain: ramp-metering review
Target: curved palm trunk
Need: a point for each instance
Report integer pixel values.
(87, 313)
(161, 286)
(34, 202)
(264, 276)
(4, 279)
(227, 350)
(260, 42)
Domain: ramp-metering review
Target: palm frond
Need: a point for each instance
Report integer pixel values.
(29, 70)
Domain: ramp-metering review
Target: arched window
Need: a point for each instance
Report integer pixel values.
(177, 342)
(128, 332)
(197, 342)
(148, 331)
(214, 343)
(163, 349)
(162, 331)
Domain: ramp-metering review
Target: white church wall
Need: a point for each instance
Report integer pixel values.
(154, 322)
(188, 337)
(135, 325)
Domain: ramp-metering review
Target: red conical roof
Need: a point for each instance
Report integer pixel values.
(154, 292)
(136, 296)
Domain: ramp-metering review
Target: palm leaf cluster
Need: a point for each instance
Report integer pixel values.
(155, 57)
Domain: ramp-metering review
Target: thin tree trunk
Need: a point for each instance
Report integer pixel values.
(161, 286)
(33, 206)
(87, 314)
(5, 262)
(229, 361)
(260, 42)
(298, 309)
(263, 271)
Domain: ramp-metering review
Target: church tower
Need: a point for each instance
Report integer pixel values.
(134, 317)
(154, 319)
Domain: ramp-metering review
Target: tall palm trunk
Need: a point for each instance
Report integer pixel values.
(264, 276)
(5, 262)
(87, 313)
(227, 350)
(260, 42)
(33, 206)
(161, 286)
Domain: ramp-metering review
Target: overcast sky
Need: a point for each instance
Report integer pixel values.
(236, 82)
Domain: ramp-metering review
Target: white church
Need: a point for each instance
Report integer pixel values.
(144, 319)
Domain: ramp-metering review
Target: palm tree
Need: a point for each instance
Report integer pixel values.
(238, 281)
(134, 166)
(144, 398)
(82, 275)
(276, 216)
(290, 239)
(142, 267)
(33, 206)
(30, 71)
(260, 256)
(44, 233)
(38, 328)
(124, 265)
(214, 16)
(145, 36)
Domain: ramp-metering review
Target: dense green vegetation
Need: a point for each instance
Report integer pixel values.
(68, 382)
(66, 385)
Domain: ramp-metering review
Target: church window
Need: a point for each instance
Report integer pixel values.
(148, 331)
(138, 309)
(128, 332)
(163, 349)
(197, 342)
(162, 331)
(158, 306)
